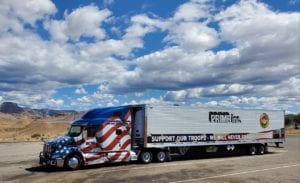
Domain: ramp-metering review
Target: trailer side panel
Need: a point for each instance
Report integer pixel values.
(189, 126)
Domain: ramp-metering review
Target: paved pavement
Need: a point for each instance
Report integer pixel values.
(19, 163)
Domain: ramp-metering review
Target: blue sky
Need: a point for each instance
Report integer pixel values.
(86, 54)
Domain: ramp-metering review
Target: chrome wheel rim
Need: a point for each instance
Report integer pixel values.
(161, 156)
(73, 162)
(146, 157)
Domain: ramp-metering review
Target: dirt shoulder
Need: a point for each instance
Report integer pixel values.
(292, 131)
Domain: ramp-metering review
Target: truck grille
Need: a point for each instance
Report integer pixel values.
(47, 149)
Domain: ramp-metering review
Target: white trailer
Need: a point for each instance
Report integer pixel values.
(179, 128)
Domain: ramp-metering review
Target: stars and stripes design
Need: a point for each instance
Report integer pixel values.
(107, 145)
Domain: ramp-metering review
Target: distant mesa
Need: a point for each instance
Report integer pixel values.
(14, 109)
(11, 108)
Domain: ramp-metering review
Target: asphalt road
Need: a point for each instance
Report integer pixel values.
(19, 163)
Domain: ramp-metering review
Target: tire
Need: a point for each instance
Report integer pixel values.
(161, 156)
(261, 150)
(146, 157)
(73, 162)
(252, 150)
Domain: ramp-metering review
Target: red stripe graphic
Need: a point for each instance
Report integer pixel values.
(97, 156)
(89, 148)
(109, 133)
(79, 142)
(113, 118)
(266, 131)
(126, 143)
(126, 157)
(270, 138)
(115, 141)
(108, 137)
(127, 116)
(115, 157)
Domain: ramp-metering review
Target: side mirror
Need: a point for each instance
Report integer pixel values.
(118, 131)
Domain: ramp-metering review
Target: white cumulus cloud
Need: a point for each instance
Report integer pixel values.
(84, 21)
(80, 91)
(15, 13)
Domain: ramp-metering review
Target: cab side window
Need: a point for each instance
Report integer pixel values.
(91, 131)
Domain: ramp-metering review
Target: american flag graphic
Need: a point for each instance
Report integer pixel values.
(107, 145)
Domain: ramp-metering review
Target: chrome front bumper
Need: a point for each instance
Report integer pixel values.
(51, 162)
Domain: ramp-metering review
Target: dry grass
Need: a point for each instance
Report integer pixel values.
(23, 128)
(292, 131)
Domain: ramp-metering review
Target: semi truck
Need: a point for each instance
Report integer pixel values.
(149, 132)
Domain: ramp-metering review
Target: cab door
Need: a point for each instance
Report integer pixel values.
(90, 144)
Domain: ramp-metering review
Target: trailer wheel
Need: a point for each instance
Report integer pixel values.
(73, 162)
(161, 156)
(146, 157)
(252, 150)
(261, 150)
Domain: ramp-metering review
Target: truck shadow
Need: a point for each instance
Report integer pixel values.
(215, 156)
(51, 169)
(44, 169)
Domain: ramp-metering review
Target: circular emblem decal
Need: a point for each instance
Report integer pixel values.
(264, 120)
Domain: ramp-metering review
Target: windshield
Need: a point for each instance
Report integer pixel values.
(74, 131)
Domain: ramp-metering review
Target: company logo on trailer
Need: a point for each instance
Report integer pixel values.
(223, 117)
(264, 120)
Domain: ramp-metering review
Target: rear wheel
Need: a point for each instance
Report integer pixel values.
(73, 162)
(146, 157)
(261, 150)
(252, 150)
(161, 156)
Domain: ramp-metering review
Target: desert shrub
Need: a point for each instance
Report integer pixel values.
(35, 135)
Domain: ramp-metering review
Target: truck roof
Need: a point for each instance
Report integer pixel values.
(101, 115)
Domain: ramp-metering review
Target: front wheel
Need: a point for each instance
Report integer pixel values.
(73, 162)
(146, 157)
